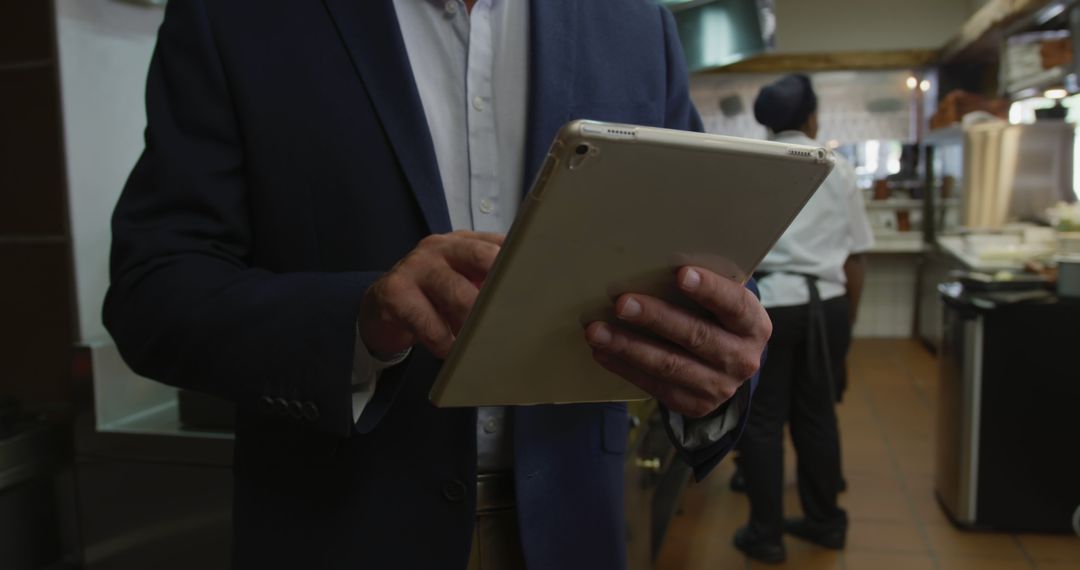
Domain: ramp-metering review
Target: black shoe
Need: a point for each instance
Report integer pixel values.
(738, 481)
(829, 537)
(762, 550)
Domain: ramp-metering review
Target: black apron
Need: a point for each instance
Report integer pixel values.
(817, 339)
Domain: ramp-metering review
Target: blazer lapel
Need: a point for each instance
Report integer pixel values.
(371, 33)
(553, 47)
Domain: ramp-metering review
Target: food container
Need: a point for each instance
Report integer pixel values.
(1039, 234)
(1068, 276)
(981, 244)
(1069, 243)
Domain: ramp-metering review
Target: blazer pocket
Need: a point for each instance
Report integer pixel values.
(615, 430)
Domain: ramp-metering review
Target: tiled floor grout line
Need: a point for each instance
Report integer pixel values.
(919, 391)
(894, 427)
(899, 473)
(1023, 550)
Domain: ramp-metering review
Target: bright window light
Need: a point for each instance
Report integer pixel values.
(873, 157)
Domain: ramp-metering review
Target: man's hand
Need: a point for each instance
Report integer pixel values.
(703, 361)
(426, 297)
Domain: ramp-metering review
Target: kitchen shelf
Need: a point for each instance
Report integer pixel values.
(898, 246)
(160, 420)
(953, 134)
(894, 204)
(886, 241)
(954, 246)
(906, 204)
(1044, 79)
(125, 403)
(979, 39)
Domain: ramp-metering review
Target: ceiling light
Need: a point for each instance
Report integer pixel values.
(1056, 94)
(912, 82)
(925, 85)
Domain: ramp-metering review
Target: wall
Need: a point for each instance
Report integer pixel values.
(808, 26)
(36, 313)
(105, 49)
(854, 106)
(887, 309)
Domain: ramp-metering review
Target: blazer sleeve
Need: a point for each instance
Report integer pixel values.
(702, 453)
(185, 305)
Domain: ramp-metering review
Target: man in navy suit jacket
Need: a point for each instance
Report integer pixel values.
(278, 215)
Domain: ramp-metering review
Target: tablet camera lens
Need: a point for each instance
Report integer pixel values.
(582, 149)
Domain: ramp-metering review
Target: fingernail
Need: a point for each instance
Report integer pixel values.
(600, 336)
(630, 309)
(691, 279)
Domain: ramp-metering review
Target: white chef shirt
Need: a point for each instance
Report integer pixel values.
(831, 227)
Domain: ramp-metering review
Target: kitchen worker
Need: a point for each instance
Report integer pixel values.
(324, 185)
(807, 281)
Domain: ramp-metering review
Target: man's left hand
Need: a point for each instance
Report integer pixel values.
(701, 362)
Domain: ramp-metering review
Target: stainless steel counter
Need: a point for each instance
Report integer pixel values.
(954, 246)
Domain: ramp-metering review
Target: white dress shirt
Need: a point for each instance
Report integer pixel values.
(471, 72)
(831, 227)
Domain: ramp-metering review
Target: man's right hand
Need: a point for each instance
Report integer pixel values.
(426, 297)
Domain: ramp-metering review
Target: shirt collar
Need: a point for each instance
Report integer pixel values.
(442, 3)
(789, 136)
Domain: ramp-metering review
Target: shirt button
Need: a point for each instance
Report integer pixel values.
(311, 412)
(478, 103)
(486, 206)
(451, 7)
(454, 491)
(491, 426)
(266, 405)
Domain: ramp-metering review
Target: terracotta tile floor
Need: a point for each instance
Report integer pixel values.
(886, 424)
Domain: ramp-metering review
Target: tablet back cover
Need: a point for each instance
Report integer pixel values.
(617, 209)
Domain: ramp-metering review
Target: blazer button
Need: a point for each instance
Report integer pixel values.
(265, 405)
(311, 412)
(281, 406)
(454, 491)
(296, 410)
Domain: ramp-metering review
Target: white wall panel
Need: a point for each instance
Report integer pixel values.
(105, 49)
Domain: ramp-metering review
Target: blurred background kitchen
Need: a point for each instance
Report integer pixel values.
(961, 442)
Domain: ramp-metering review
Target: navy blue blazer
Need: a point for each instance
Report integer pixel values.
(288, 164)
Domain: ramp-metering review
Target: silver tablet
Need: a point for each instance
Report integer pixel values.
(617, 209)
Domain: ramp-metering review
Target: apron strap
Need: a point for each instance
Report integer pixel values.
(817, 338)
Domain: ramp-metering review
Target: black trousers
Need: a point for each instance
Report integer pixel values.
(789, 392)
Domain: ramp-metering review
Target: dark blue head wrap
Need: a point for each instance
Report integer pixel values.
(787, 104)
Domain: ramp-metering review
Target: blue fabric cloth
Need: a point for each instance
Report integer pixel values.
(287, 165)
